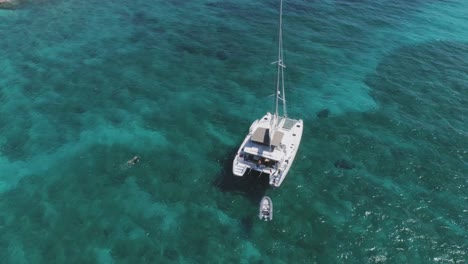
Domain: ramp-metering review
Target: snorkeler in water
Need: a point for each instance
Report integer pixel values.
(133, 161)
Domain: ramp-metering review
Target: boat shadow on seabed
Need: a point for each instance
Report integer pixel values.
(252, 184)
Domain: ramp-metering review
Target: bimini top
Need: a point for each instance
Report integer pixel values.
(262, 136)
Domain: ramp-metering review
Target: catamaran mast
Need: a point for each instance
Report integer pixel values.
(279, 92)
(280, 78)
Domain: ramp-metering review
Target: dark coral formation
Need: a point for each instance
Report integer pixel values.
(324, 113)
(344, 164)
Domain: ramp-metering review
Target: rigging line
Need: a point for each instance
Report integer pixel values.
(281, 66)
(266, 69)
(280, 62)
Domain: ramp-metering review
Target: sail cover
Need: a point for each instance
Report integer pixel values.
(261, 135)
(277, 137)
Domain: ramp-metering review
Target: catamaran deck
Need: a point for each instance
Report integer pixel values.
(284, 139)
(262, 154)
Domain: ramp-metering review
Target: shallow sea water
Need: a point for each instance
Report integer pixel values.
(86, 85)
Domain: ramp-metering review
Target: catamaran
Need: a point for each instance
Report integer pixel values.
(273, 140)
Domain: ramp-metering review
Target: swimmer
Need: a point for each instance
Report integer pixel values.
(133, 161)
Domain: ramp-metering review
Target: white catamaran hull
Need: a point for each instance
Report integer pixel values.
(274, 160)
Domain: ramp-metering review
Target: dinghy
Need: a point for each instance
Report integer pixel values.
(266, 209)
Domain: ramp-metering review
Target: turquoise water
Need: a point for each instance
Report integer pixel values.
(86, 85)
